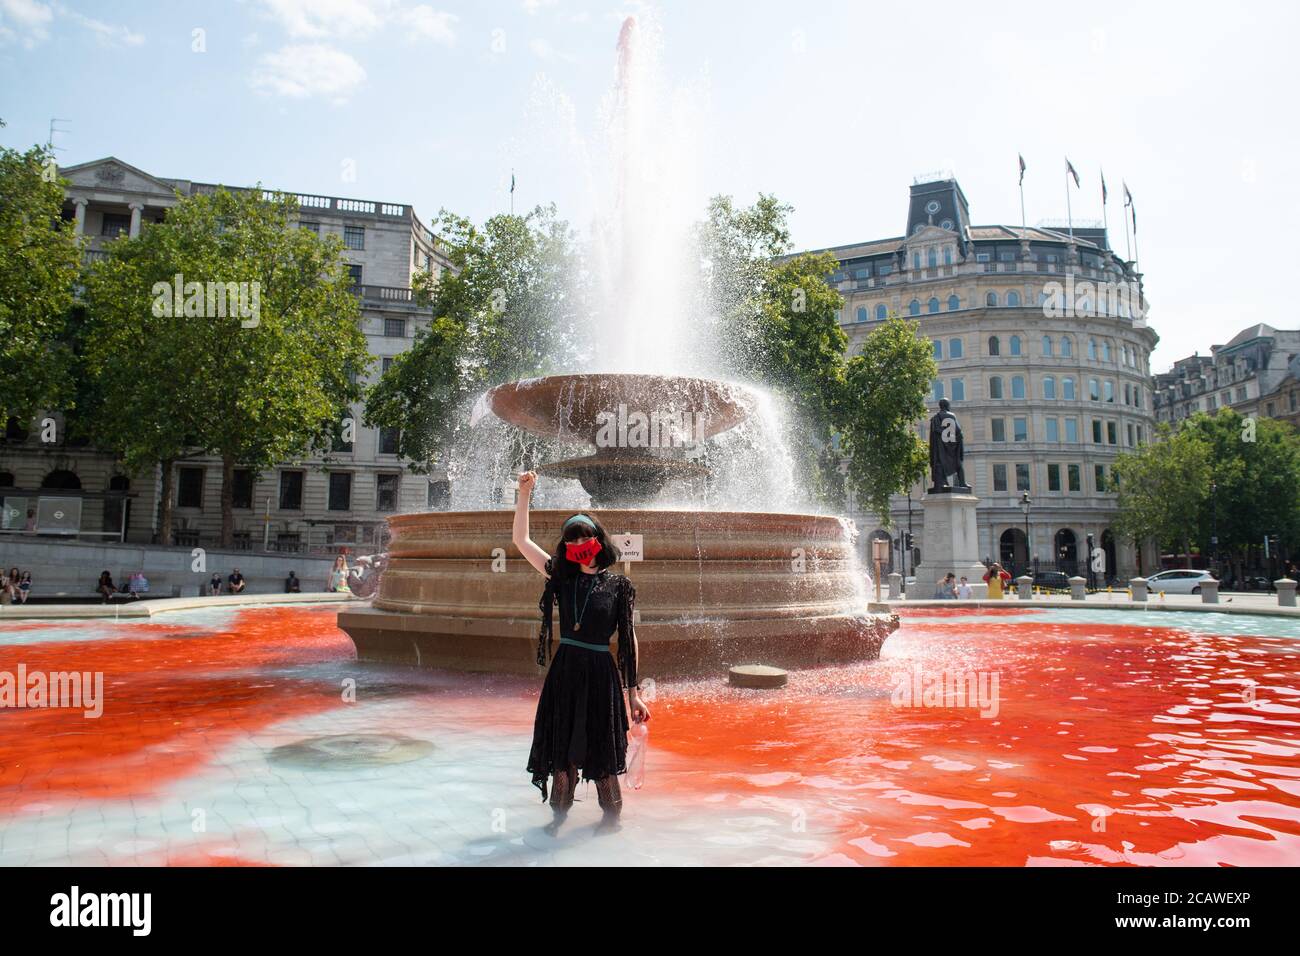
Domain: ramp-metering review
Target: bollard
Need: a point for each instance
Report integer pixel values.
(1024, 586)
(1209, 591)
(895, 586)
(1078, 588)
(1139, 588)
(1285, 592)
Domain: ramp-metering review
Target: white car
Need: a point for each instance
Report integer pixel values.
(1186, 581)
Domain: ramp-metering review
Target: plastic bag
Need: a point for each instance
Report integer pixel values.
(638, 743)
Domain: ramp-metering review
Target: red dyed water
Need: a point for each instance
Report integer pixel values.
(1104, 743)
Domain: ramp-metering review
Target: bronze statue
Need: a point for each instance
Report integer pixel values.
(946, 452)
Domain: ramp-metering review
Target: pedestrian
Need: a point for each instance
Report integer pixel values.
(997, 580)
(963, 590)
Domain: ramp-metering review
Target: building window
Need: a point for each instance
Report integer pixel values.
(1013, 299)
(932, 257)
(387, 362)
(1105, 349)
(938, 349)
(388, 440)
(354, 237)
(1015, 345)
(1021, 428)
(958, 390)
(995, 387)
(1067, 347)
(881, 312)
(932, 305)
(954, 303)
(1022, 478)
(1112, 433)
(340, 495)
(995, 347)
(862, 313)
(189, 488)
(1067, 389)
(1072, 429)
(1053, 477)
(241, 488)
(1053, 429)
(386, 488)
(1099, 476)
(354, 274)
(937, 389)
(1074, 478)
(1017, 386)
(954, 348)
(1129, 430)
(395, 328)
(1092, 350)
(999, 429)
(1094, 390)
(991, 299)
(291, 491)
(1047, 345)
(1096, 431)
(916, 258)
(337, 444)
(914, 307)
(1110, 391)
(947, 250)
(312, 227)
(999, 477)
(115, 225)
(1049, 387)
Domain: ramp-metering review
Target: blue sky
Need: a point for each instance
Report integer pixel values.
(833, 106)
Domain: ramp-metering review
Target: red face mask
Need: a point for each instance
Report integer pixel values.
(583, 553)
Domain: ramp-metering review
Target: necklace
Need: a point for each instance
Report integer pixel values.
(578, 616)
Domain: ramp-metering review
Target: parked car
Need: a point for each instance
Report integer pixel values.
(1187, 581)
(1052, 581)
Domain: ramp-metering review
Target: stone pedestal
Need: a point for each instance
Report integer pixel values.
(950, 542)
(1025, 587)
(1209, 592)
(1285, 592)
(1139, 588)
(895, 586)
(1078, 588)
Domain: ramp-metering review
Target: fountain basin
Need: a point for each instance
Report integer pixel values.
(716, 589)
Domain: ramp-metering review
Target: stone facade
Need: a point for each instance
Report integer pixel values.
(290, 507)
(1043, 351)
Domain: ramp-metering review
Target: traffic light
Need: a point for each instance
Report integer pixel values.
(907, 540)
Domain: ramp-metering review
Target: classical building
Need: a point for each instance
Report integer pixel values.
(1257, 374)
(1042, 346)
(312, 504)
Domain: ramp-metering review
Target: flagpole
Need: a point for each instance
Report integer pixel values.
(1128, 248)
(1105, 224)
(512, 192)
(1069, 216)
(1024, 231)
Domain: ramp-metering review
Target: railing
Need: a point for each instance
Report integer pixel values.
(384, 293)
(364, 207)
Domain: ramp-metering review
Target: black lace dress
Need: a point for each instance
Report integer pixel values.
(582, 718)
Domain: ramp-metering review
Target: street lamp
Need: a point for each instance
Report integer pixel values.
(1025, 503)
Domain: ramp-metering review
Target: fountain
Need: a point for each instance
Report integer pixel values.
(714, 587)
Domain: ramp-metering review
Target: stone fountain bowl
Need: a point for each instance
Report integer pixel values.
(715, 589)
(570, 407)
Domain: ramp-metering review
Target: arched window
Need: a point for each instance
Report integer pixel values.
(862, 313)
(958, 390)
(938, 349)
(995, 386)
(916, 260)
(1049, 387)
(991, 299)
(63, 480)
(938, 389)
(1067, 389)
(1105, 350)
(1017, 386)
(954, 348)
(1092, 349)
(1013, 299)
(932, 305)
(881, 312)
(1047, 345)
(995, 347)
(954, 303)
(1015, 345)
(932, 257)
(1067, 347)
(947, 255)
(914, 307)
(6, 479)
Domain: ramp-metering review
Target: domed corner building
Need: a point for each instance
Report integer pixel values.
(1043, 352)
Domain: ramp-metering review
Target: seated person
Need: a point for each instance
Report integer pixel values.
(237, 583)
(214, 585)
(106, 587)
(292, 585)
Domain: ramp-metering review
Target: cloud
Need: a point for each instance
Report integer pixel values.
(29, 22)
(532, 6)
(543, 50)
(356, 19)
(302, 71)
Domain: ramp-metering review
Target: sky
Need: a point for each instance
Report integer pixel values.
(834, 107)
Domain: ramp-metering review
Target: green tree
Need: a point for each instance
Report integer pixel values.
(1163, 487)
(257, 383)
(41, 258)
(883, 399)
(503, 311)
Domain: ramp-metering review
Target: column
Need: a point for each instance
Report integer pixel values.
(80, 216)
(136, 209)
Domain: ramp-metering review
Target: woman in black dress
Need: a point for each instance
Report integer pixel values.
(581, 722)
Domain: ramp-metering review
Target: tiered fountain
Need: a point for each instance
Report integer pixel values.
(715, 587)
